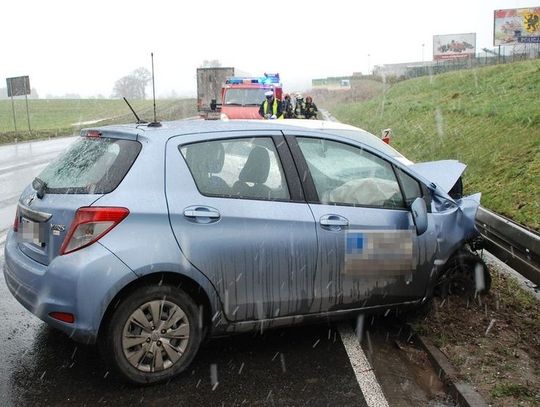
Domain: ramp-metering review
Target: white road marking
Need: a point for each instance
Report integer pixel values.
(362, 368)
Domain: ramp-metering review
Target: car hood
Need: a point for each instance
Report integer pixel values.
(444, 173)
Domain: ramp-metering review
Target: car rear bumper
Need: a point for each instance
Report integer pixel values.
(81, 283)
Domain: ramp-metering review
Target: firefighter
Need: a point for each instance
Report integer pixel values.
(271, 108)
(299, 107)
(310, 109)
(288, 109)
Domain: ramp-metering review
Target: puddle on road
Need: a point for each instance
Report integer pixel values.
(404, 371)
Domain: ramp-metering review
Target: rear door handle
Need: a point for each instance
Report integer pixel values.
(202, 214)
(334, 221)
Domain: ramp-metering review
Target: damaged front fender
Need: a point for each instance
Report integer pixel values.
(454, 223)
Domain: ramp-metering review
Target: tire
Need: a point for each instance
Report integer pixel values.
(459, 277)
(143, 355)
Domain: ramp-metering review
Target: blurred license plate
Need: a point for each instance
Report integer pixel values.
(31, 232)
(213, 115)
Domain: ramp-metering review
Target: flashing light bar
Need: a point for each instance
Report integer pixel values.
(267, 79)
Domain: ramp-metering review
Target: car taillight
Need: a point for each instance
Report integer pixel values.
(90, 225)
(16, 221)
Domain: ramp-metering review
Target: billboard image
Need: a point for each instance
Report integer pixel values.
(452, 46)
(516, 26)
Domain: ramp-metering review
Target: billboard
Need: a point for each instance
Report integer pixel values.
(516, 26)
(454, 46)
(18, 86)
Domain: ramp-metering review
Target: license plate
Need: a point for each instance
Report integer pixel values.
(213, 115)
(32, 232)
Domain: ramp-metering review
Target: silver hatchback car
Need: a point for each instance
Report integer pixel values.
(146, 239)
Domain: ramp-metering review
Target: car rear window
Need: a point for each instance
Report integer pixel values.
(90, 166)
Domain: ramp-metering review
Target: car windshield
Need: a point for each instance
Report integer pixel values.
(245, 97)
(89, 165)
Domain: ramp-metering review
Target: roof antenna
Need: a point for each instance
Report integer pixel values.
(139, 121)
(155, 123)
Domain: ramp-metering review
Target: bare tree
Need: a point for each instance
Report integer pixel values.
(132, 86)
(143, 77)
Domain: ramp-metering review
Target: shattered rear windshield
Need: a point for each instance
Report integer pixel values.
(90, 166)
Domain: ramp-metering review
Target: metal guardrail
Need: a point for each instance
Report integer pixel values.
(511, 243)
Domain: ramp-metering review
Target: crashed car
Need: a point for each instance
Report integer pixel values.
(146, 239)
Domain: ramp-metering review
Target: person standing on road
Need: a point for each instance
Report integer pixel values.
(288, 109)
(271, 108)
(310, 109)
(299, 107)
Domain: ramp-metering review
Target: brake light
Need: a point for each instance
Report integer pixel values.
(16, 221)
(91, 133)
(91, 224)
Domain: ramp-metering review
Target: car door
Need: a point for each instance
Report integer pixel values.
(369, 252)
(239, 215)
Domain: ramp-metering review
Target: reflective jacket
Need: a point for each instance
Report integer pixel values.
(277, 109)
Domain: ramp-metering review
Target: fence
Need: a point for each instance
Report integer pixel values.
(494, 56)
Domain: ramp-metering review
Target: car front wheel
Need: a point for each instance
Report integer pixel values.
(153, 334)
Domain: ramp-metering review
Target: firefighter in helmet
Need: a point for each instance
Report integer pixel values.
(299, 107)
(271, 108)
(310, 109)
(288, 109)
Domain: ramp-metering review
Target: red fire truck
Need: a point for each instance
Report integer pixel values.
(242, 96)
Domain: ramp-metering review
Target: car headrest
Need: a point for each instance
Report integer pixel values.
(257, 166)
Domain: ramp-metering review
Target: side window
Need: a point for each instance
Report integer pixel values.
(243, 168)
(345, 174)
(411, 187)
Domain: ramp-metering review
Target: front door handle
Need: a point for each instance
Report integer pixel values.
(202, 214)
(334, 221)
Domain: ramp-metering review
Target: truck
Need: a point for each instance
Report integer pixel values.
(242, 96)
(222, 95)
(210, 82)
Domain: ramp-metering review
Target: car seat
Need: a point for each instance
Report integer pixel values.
(205, 160)
(255, 172)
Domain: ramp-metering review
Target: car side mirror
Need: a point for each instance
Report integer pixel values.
(419, 214)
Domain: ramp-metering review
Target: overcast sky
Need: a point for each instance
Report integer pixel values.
(84, 47)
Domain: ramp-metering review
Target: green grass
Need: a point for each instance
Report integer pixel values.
(513, 390)
(60, 117)
(488, 118)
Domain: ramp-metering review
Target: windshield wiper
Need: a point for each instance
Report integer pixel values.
(41, 187)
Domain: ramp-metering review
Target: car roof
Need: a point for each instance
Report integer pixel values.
(181, 127)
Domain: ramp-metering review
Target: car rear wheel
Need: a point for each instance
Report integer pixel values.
(153, 334)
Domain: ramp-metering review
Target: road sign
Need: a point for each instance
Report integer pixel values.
(18, 86)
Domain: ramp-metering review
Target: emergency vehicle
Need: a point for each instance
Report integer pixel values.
(241, 97)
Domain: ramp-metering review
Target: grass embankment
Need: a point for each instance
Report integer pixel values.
(493, 340)
(61, 117)
(488, 118)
